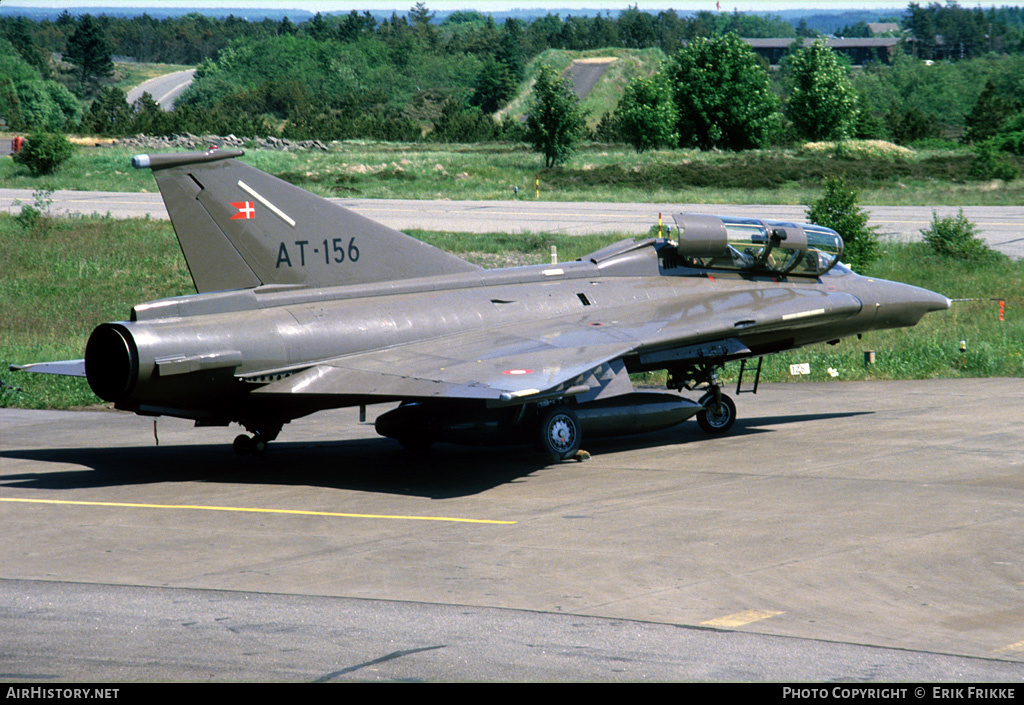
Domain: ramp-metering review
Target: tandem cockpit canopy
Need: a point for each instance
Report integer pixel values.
(748, 244)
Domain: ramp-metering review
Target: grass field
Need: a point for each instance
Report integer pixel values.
(64, 276)
(596, 173)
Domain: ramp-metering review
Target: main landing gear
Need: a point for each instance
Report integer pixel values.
(558, 432)
(256, 444)
(719, 412)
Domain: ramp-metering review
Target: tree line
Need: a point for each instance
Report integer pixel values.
(409, 78)
(194, 37)
(715, 94)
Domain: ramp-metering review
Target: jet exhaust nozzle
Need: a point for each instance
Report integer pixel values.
(111, 362)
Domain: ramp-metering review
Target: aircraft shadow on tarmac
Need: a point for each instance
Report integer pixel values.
(368, 465)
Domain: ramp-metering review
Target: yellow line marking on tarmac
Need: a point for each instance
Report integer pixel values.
(136, 505)
(740, 618)
(1011, 648)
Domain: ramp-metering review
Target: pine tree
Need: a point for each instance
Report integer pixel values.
(10, 105)
(317, 28)
(17, 32)
(989, 113)
(89, 50)
(493, 88)
(109, 114)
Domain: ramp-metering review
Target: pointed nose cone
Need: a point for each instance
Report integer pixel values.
(898, 305)
(933, 301)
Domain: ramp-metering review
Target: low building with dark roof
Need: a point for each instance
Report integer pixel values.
(859, 50)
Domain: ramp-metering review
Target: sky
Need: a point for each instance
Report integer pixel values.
(488, 5)
(498, 5)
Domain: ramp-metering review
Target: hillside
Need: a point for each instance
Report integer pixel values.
(605, 94)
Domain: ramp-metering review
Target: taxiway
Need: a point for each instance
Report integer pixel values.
(999, 226)
(849, 530)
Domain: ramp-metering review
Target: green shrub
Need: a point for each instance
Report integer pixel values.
(34, 217)
(956, 238)
(28, 218)
(910, 125)
(837, 209)
(44, 152)
(459, 123)
(989, 164)
(1012, 142)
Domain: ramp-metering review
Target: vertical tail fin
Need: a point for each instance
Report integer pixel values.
(239, 228)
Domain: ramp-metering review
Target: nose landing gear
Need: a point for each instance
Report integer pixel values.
(719, 412)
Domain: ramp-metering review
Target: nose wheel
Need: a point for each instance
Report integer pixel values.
(718, 414)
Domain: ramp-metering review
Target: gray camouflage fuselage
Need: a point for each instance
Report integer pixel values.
(304, 306)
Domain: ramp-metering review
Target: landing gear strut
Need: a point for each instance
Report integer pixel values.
(719, 412)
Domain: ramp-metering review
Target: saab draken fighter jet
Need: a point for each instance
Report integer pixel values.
(303, 305)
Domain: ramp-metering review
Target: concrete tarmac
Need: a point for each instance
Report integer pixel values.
(849, 530)
(1002, 227)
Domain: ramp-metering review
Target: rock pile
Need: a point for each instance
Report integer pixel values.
(188, 141)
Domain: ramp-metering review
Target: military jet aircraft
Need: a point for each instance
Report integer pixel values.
(303, 305)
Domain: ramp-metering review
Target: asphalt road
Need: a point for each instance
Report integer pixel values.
(164, 89)
(1001, 226)
(585, 73)
(849, 531)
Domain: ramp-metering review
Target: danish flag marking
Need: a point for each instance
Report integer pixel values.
(246, 210)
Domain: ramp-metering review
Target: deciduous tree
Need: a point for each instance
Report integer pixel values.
(646, 114)
(722, 95)
(555, 122)
(822, 103)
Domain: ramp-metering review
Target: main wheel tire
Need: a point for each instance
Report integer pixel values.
(716, 421)
(558, 432)
(242, 444)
